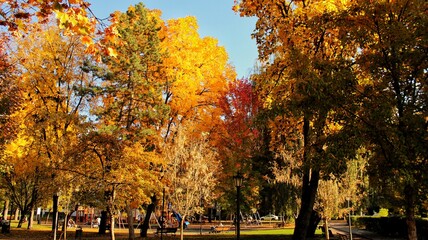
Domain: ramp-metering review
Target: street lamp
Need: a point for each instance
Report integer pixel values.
(349, 218)
(238, 183)
(162, 222)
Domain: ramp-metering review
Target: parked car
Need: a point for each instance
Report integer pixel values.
(269, 217)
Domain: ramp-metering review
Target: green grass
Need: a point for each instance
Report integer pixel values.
(284, 231)
(43, 231)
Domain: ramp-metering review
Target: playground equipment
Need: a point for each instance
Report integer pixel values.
(179, 219)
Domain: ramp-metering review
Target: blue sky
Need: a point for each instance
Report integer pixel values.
(215, 19)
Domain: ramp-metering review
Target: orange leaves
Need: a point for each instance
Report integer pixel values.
(75, 20)
(80, 2)
(87, 40)
(72, 17)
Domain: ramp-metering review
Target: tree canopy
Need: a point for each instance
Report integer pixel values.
(111, 114)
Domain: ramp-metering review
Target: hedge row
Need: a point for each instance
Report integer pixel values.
(391, 226)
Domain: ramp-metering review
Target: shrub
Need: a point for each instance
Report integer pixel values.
(390, 226)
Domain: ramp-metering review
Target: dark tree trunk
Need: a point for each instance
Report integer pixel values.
(409, 192)
(309, 189)
(103, 224)
(146, 223)
(130, 223)
(54, 211)
(24, 213)
(313, 223)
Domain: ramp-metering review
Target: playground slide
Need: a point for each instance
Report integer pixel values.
(179, 219)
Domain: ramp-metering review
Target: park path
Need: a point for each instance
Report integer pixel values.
(341, 227)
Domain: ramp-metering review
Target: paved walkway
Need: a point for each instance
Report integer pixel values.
(343, 228)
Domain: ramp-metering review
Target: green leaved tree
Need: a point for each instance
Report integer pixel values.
(130, 109)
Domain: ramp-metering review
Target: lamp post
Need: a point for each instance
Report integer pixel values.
(349, 219)
(238, 183)
(163, 209)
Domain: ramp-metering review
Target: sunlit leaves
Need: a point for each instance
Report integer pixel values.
(70, 14)
(197, 73)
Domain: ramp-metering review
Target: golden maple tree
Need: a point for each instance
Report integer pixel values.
(197, 76)
(50, 80)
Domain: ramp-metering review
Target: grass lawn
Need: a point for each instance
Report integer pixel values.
(43, 232)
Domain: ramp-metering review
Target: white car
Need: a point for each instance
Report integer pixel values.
(269, 217)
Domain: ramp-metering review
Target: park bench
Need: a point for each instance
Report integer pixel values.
(280, 225)
(166, 230)
(219, 229)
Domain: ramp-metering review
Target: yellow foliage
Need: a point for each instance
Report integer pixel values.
(197, 70)
(17, 148)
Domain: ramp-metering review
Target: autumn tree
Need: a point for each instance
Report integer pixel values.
(335, 192)
(9, 99)
(51, 82)
(113, 174)
(196, 73)
(198, 76)
(9, 103)
(73, 16)
(328, 202)
(24, 175)
(240, 143)
(130, 104)
(392, 65)
(192, 173)
(16, 15)
(306, 84)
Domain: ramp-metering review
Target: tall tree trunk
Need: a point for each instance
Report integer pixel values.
(21, 218)
(112, 237)
(6, 209)
(55, 211)
(146, 223)
(327, 235)
(65, 226)
(30, 219)
(409, 192)
(103, 223)
(313, 223)
(47, 216)
(16, 216)
(130, 219)
(309, 189)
